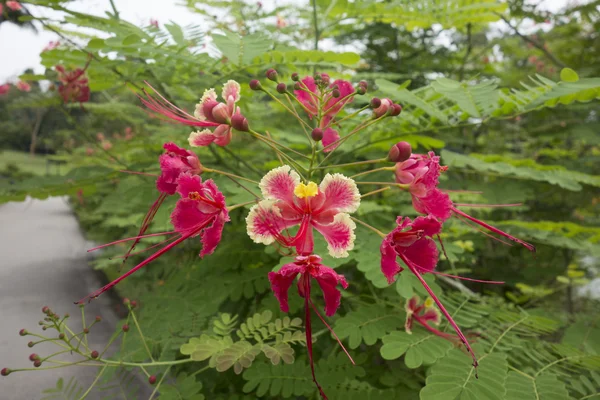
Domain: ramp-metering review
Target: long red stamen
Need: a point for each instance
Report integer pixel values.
(308, 329)
(467, 279)
(144, 263)
(528, 246)
(138, 173)
(487, 205)
(131, 238)
(147, 220)
(439, 238)
(144, 250)
(472, 226)
(431, 329)
(437, 301)
(331, 330)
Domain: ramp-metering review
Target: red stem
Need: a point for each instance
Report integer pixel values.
(308, 329)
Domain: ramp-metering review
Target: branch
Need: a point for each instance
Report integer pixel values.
(535, 43)
(467, 54)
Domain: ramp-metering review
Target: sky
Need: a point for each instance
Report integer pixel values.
(20, 48)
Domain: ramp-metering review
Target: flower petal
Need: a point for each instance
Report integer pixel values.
(279, 184)
(308, 99)
(432, 315)
(436, 203)
(265, 222)
(223, 135)
(330, 136)
(212, 235)
(201, 138)
(231, 89)
(328, 280)
(389, 264)
(187, 217)
(423, 254)
(341, 193)
(339, 235)
(429, 225)
(281, 282)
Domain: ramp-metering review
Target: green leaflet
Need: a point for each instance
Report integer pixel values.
(454, 378)
(543, 387)
(367, 324)
(418, 348)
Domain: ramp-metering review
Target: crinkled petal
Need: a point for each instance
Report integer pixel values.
(436, 203)
(188, 183)
(307, 99)
(341, 193)
(279, 184)
(212, 235)
(201, 138)
(335, 104)
(281, 282)
(423, 254)
(339, 235)
(330, 136)
(328, 279)
(389, 263)
(265, 222)
(231, 89)
(187, 217)
(223, 135)
(429, 225)
(432, 315)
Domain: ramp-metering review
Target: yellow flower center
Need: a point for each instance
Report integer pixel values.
(301, 190)
(429, 302)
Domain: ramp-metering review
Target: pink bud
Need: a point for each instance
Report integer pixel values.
(295, 77)
(30, 344)
(220, 113)
(98, 318)
(86, 331)
(336, 93)
(239, 122)
(297, 86)
(23, 332)
(361, 90)
(272, 74)
(255, 85)
(396, 110)
(384, 107)
(33, 357)
(375, 102)
(5, 372)
(37, 363)
(94, 354)
(45, 309)
(281, 88)
(152, 379)
(363, 84)
(125, 328)
(317, 134)
(399, 152)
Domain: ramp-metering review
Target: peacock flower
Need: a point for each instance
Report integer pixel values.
(411, 242)
(23, 86)
(421, 175)
(73, 85)
(175, 162)
(221, 114)
(14, 5)
(288, 203)
(201, 210)
(4, 89)
(309, 267)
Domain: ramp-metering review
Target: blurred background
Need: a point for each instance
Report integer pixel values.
(505, 91)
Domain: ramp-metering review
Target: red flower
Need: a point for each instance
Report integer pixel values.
(201, 210)
(73, 84)
(421, 174)
(4, 89)
(309, 267)
(23, 86)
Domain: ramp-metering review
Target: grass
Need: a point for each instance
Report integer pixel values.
(36, 165)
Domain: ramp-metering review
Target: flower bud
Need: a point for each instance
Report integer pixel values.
(272, 74)
(318, 77)
(399, 152)
(126, 301)
(85, 331)
(125, 328)
(239, 122)
(133, 304)
(152, 379)
(364, 84)
(37, 363)
(336, 93)
(317, 134)
(396, 110)
(384, 108)
(361, 90)
(325, 79)
(98, 318)
(255, 85)
(23, 332)
(94, 354)
(220, 113)
(45, 309)
(297, 86)
(5, 372)
(61, 335)
(30, 344)
(67, 315)
(295, 77)
(44, 328)
(281, 88)
(33, 357)
(375, 102)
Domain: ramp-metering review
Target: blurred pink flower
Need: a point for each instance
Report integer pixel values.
(23, 86)
(13, 5)
(4, 89)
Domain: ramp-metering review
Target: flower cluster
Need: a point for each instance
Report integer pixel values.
(73, 86)
(294, 209)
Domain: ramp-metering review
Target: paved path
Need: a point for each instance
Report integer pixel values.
(43, 261)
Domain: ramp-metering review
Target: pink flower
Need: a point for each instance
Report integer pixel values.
(421, 175)
(1, 8)
(73, 84)
(106, 145)
(154, 22)
(89, 151)
(309, 267)
(4, 89)
(201, 210)
(221, 114)
(23, 86)
(100, 136)
(288, 203)
(13, 5)
(280, 22)
(411, 242)
(51, 46)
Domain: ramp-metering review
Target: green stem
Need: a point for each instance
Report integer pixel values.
(216, 171)
(377, 231)
(372, 171)
(162, 378)
(148, 364)
(135, 321)
(352, 164)
(83, 396)
(375, 192)
(355, 113)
